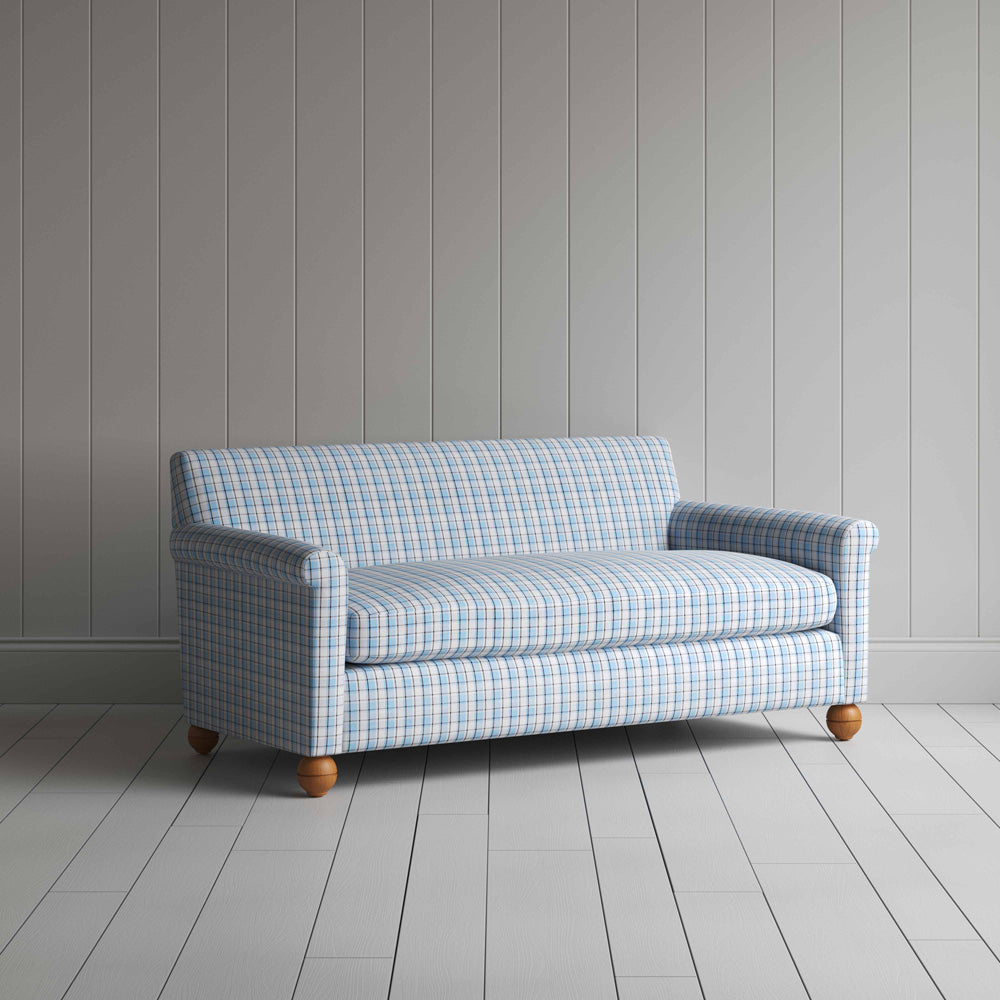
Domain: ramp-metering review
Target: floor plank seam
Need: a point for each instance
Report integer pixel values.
(97, 825)
(593, 855)
(666, 867)
(409, 869)
(333, 861)
(861, 868)
(218, 874)
(486, 893)
(774, 917)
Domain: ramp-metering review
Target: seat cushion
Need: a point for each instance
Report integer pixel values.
(576, 600)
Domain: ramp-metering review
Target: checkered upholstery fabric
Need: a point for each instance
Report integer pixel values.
(577, 600)
(838, 547)
(444, 701)
(383, 503)
(263, 625)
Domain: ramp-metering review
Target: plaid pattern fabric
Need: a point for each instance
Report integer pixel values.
(577, 600)
(838, 547)
(382, 503)
(263, 622)
(445, 701)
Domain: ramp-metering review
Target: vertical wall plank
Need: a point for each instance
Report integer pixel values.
(397, 220)
(329, 221)
(671, 233)
(466, 290)
(602, 163)
(10, 319)
(989, 316)
(943, 319)
(192, 244)
(807, 346)
(124, 320)
(261, 205)
(56, 317)
(533, 218)
(876, 294)
(738, 252)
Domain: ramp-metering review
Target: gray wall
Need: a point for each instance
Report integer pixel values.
(766, 231)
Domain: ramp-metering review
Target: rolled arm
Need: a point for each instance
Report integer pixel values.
(262, 622)
(838, 547)
(254, 554)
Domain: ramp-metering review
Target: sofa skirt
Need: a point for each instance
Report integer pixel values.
(452, 700)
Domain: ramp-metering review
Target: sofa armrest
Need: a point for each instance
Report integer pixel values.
(254, 554)
(838, 547)
(262, 622)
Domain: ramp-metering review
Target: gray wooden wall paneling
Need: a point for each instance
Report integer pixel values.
(56, 284)
(534, 379)
(397, 220)
(329, 221)
(466, 219)
(124, 453)
(10, 319)
(989, 316)
(876, 390)
(943, 482)
(602, 251)
(738, 247)
(261, 221)
(807, 320)
(193, 246)
(670, 232)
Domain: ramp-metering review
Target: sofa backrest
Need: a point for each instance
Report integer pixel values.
(382, 503)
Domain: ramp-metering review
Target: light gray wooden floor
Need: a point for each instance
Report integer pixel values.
(748, 857)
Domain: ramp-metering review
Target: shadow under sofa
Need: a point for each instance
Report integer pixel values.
(341, 598)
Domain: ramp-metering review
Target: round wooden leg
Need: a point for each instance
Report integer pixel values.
(317, 775)
(202, 740)
(843, 720)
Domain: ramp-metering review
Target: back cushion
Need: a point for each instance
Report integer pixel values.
(383, 503)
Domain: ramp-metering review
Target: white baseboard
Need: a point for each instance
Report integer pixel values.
(146, 670)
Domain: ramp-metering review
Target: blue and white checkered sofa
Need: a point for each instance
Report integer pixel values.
(355, 597)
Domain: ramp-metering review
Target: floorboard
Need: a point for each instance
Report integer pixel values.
(24, 765)
(964, 853)
(115, 854)
(900, 772)
(229, 787)
(37, 840)
(250, 938)
(112, 752)
(546, 933)
(963, 970)
(137, 951)
(665, 748)
(644, 927)
(616, 804)
(45, 954)
(601, 864)
(775, 814)
(905, 884)
(673, 988)
(738, 950)
(16, 720)
(842, 938)
(344, 978)
(697, 838)
(359, 915)
(442, 942)
(535, 803)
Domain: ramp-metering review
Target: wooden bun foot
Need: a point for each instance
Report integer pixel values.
(317, 775)
(202, 740)
(843, 720)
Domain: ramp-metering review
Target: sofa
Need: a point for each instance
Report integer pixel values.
(345, 598)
